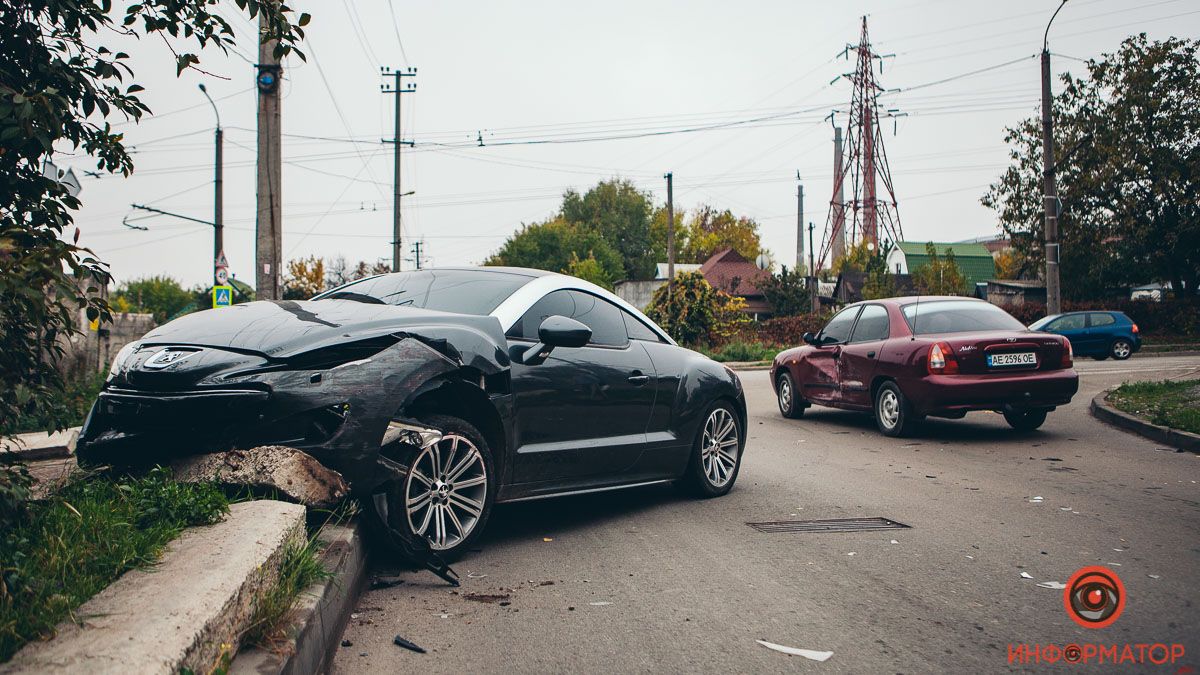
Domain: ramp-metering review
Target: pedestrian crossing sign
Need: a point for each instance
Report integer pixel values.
(222, 296)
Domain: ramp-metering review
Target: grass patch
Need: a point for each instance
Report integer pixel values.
(299, 568)
(70, 406)
(1170, 403)
(57, 553)
(742, 351)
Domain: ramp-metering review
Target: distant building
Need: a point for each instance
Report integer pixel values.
(1015, 292)
(728, 271)
(660, 270)
(975, 260)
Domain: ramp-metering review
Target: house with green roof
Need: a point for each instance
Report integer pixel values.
(973, 259)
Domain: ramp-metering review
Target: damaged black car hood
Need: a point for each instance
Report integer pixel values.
(285, 328)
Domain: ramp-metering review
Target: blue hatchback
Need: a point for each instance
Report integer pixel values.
(1095, 334)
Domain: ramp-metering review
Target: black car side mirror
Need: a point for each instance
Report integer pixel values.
(555, 331)
(811, 339)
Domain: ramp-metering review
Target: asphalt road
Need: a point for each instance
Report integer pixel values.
(648, 580)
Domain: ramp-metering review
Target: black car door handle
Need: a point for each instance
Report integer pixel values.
(638, 379)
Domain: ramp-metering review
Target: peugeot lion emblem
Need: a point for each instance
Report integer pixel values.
(166, 357)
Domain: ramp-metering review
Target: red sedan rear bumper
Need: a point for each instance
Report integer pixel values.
(934, 394)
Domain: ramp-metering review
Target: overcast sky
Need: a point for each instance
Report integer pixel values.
(540, 70)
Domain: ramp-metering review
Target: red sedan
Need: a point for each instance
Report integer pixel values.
(908, 358)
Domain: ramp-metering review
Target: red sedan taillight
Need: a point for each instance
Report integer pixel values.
(941, 360)
(1068, 358)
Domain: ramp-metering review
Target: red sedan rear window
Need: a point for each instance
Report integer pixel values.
(957, 316)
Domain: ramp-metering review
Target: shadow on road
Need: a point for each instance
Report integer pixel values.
(559, 515)
(979, 427)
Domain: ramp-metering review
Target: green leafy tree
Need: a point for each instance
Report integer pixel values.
(879, 283)
(787, 292)
(1127, 142)
(589, 269)
(941, 275)
(551, 246)
(161, 296)
(305, 278)
(855, 258)
(695, 312)
(60, 85)
(710, 231)
(619, 213)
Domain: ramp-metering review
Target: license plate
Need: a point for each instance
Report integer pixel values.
(1019, 359)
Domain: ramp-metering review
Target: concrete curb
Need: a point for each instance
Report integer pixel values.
(41, 445)
(1102, 410)
(748, 365)
(185, 612)
(322, 613)
(1182, 352)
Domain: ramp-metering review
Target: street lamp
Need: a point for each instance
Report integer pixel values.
(218, 207)
(1049, 183)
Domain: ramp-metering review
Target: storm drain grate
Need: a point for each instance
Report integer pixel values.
(830, 525)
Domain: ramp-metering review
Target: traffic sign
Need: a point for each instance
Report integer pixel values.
(221, 260)
(222, 296)
(222, 276)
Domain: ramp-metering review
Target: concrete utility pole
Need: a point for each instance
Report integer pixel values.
(799, 225)
(268, 250)
(670, 235)
(814, 300)
(397, 87)
(218, 181)
(1050, 183)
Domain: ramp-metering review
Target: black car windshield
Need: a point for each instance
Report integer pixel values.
(460, 291)
(957, 316)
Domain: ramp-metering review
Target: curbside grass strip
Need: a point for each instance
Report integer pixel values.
(1182, 440)
(320, 615)
(186, 612)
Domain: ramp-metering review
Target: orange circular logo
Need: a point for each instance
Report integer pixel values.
(1094, 597)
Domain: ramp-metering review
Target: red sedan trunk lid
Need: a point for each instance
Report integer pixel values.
(1009, 351)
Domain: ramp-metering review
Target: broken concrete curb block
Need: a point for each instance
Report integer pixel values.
(188, 611)
(293, 473)
(41, 445)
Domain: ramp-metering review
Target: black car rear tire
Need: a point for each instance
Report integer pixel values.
(1026, 420)
(709, 473)
(451, 497)
(893, 413)
(789, 402)
(1121, 349)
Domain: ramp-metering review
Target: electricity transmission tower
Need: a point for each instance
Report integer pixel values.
(862, 213)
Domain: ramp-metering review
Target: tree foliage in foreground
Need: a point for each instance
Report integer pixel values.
(1127, 138)
(59, 87)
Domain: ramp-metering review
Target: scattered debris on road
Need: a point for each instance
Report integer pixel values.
(1026, 575)
(794, 651)
(600, 604)
(489, 598)
(380, 582)
(1053, 585)
(401, 642)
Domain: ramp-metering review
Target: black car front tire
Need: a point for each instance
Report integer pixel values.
(712, 470)
(789, 402)
(447, 495)
(893, 413)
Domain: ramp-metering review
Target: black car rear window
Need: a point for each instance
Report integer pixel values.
(957, 316)
(461, 291)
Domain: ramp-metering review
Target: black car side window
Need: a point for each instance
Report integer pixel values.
(873, 324)
(604, 318)
(638, 330)
(556, 303)
(838, 328)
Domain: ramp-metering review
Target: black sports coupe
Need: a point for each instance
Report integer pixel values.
(436, 393)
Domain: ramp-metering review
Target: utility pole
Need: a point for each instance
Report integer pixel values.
(218, 198)
(670, 235)
(268, 240)
(814, 300)
(799, 224)
(397, 87)
(1050, 183)
(416, 250)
